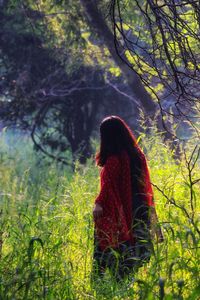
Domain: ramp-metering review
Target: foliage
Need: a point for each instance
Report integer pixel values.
(160, 40)
(53, 79)
(58, 77)
(47, 229)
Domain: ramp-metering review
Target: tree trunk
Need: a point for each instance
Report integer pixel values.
(98, 23)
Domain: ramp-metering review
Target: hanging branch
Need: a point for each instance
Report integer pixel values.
(161, 42)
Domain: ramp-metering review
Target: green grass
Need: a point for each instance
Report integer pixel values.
(47, 229)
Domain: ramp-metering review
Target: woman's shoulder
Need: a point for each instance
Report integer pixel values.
(124, 155)
(118, 156)
(113, 159)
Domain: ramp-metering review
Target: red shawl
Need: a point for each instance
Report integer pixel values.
(115, 197)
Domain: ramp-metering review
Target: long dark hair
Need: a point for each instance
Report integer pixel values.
(116, 136)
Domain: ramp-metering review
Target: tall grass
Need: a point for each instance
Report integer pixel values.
(47, 229)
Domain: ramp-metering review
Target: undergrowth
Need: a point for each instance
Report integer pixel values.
(47, 229)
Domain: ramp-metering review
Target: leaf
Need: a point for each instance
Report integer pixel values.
(30, 250)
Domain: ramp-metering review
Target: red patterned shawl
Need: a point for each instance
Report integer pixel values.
(115, 197)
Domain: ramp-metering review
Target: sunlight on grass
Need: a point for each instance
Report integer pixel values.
(47, 230)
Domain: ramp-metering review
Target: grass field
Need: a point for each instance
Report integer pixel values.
(47, 228)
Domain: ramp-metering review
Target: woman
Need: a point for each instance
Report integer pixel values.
(122, 208)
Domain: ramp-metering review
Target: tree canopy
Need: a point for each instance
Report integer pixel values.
(65, 62)
(160, 40)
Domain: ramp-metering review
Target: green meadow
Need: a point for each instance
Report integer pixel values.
(46, 233)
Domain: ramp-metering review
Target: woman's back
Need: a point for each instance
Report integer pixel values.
(116, 200)
(125, 188)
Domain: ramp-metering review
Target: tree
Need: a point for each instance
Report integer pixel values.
(51, 58)
(48, 90)
(98, 24)
(38, 94)
(160, 41)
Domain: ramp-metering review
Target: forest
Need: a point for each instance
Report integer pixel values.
(65, 65)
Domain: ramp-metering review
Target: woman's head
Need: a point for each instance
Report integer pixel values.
(115, 136)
